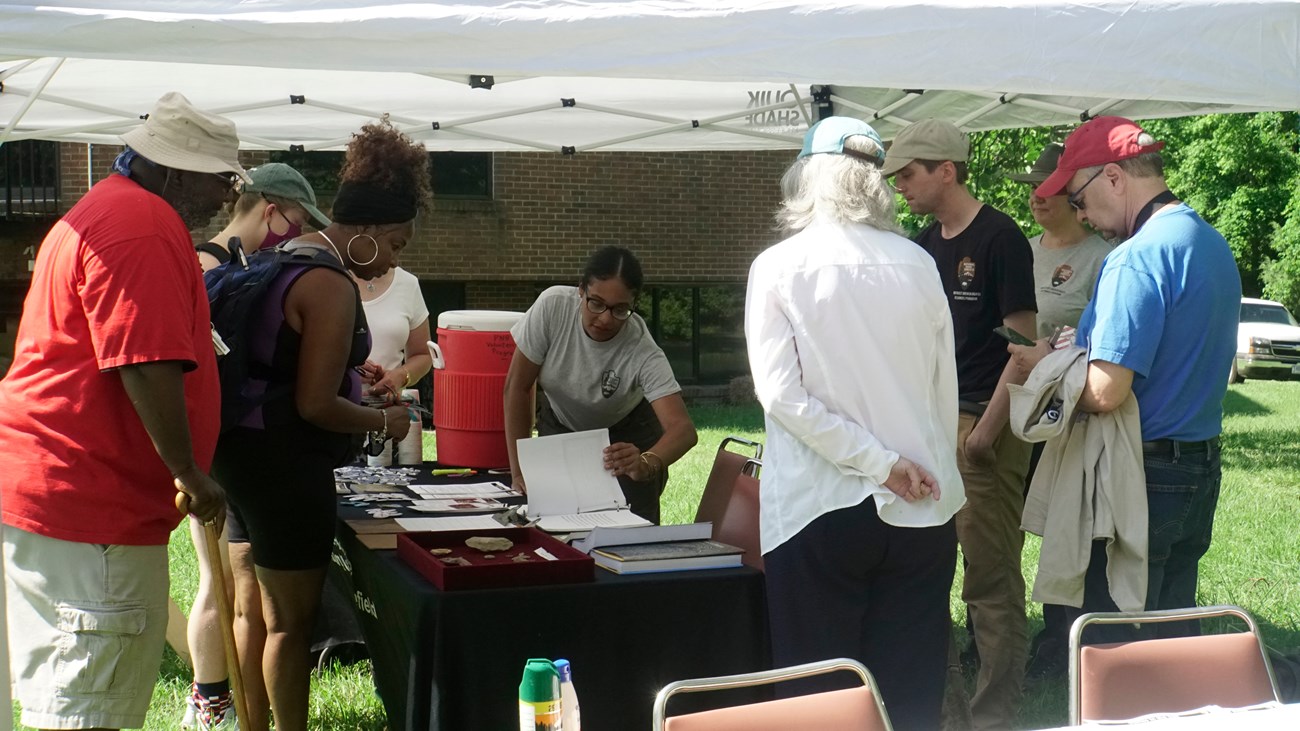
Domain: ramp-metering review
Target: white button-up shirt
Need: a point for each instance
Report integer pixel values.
(851, 345)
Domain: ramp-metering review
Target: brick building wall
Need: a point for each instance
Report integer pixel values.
(694, 218)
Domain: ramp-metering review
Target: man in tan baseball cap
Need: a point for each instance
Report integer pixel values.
(114, 373)
(987, 269)
(928, 139)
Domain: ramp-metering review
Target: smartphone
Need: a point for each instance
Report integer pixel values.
(1013, 337)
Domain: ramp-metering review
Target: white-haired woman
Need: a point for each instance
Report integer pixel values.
(851, 346)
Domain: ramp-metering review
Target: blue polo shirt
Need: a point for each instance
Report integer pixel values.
(1166, 307)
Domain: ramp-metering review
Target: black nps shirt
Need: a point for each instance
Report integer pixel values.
(988, 272)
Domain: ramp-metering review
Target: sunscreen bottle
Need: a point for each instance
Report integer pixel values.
(539, 697)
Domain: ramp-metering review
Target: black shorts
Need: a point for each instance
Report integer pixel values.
(281, 498)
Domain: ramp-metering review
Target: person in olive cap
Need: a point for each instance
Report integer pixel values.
(1067, 255)
(987, 270)
(860, 479)
(111, 407)
(272, 207)
(1161, 328)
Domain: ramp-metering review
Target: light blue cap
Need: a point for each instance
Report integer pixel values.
(828, 135)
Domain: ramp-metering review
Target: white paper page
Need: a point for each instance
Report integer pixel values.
(588, 521)
(566, 474)
(468, 489)
(454, 522)
(459, 506)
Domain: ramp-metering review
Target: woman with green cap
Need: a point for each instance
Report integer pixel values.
(271, 209)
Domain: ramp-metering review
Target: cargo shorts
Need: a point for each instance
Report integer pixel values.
(87, 624)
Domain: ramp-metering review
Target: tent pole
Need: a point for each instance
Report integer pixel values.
(15, 69)
(803, 108)
(31, 99)
(1004, 99)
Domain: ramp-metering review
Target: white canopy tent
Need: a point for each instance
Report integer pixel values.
(577, 75)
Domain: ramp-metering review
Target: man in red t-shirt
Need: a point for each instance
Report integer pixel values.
(110, 408)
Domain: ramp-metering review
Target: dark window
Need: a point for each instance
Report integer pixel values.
(1275, 314)
(464, 175)
(321, 169)
(701, 329)
(29, 179)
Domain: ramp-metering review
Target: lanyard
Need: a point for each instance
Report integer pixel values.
(1150, 209)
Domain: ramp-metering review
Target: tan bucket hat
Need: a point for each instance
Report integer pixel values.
(179, 136)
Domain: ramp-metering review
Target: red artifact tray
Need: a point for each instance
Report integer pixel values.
(500, 571)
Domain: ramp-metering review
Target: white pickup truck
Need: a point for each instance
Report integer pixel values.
(1268, 342)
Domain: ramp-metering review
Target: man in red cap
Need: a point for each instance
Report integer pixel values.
(1161, 328)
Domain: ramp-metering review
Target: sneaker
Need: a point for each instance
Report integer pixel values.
(216, 714)
(191, 712)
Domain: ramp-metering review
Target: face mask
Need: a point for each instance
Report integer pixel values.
(274, 239)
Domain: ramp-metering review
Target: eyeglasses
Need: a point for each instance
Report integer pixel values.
(230, 180)
(1075, 199)
(596, 307)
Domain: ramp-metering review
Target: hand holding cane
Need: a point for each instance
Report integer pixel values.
(225, 613)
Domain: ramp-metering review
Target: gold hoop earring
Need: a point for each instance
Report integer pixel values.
(353, 259)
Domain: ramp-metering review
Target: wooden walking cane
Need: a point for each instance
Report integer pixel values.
(225, 614)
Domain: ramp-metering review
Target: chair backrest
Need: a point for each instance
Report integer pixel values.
(1125, 680)
(738, 524)
(726, 466)
(851, 709)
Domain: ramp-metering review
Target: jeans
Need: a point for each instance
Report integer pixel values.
(1182, 494)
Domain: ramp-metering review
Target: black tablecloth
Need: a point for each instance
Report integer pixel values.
(453, 660)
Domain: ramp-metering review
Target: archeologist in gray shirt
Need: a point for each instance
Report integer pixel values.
(599, 368)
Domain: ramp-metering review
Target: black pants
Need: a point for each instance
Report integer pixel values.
(642, 428)
(851, 585)
(1056, 623)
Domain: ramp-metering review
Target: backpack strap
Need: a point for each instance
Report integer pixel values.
(234, 247)
(215, 250)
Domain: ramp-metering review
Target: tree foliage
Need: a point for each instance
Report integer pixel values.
(1239, 172)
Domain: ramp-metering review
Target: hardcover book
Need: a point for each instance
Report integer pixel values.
(672, 556)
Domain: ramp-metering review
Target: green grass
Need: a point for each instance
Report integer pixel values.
(1253, 561)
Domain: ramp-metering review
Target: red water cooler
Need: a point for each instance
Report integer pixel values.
(470, 361)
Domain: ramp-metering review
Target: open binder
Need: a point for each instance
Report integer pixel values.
(568, 487)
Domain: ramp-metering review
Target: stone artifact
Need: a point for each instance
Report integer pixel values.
(489, 544)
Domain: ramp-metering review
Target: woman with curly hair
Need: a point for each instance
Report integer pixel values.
(306, 345)
(273, 206)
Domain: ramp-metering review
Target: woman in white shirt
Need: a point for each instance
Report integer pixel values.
(399, 329)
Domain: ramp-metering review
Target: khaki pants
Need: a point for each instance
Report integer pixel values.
(988, 529)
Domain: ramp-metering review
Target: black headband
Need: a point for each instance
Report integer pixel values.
(362, 204)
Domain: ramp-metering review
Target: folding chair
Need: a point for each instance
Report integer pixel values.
(726, 466)
(1124, 680)
(851, 709)
(738, 523)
